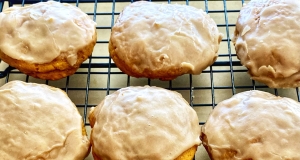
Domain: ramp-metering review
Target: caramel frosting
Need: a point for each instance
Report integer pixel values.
(41, 32)
(150, 36)
(267, 42)
(254, 125)
(39, 122)
(143, 123)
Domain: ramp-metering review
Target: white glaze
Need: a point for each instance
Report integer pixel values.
(151, 36)
(254, 125)
(144, 123)
(39, 122)
(267, 41)
(41, 32)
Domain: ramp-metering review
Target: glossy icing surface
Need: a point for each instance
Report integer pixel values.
(156, 37)
(39, 122)
(144, 123)
(267, 41)
(41, 32)
(254, 125)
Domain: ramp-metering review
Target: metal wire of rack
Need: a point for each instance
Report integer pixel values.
(99, 76)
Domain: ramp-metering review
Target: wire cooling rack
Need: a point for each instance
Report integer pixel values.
(98, 76)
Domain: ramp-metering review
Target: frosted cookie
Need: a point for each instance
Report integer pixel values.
(144, 123)
(40, 122)
(267, 42)
(47, 40)
(253, 125)
(163, 40)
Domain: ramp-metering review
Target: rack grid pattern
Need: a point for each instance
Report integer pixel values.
(98, 76)
(218, 82)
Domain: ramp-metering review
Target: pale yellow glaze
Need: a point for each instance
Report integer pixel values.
(254, 125)
(41, 32)
(144, 123)
(151, 36)
(267, 41)
(39, 122)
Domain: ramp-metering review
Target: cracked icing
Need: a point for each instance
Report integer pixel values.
(143, 123)
(149, 36)
(267, 41)
(43, 31)
(254, 125)
(39, 122)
